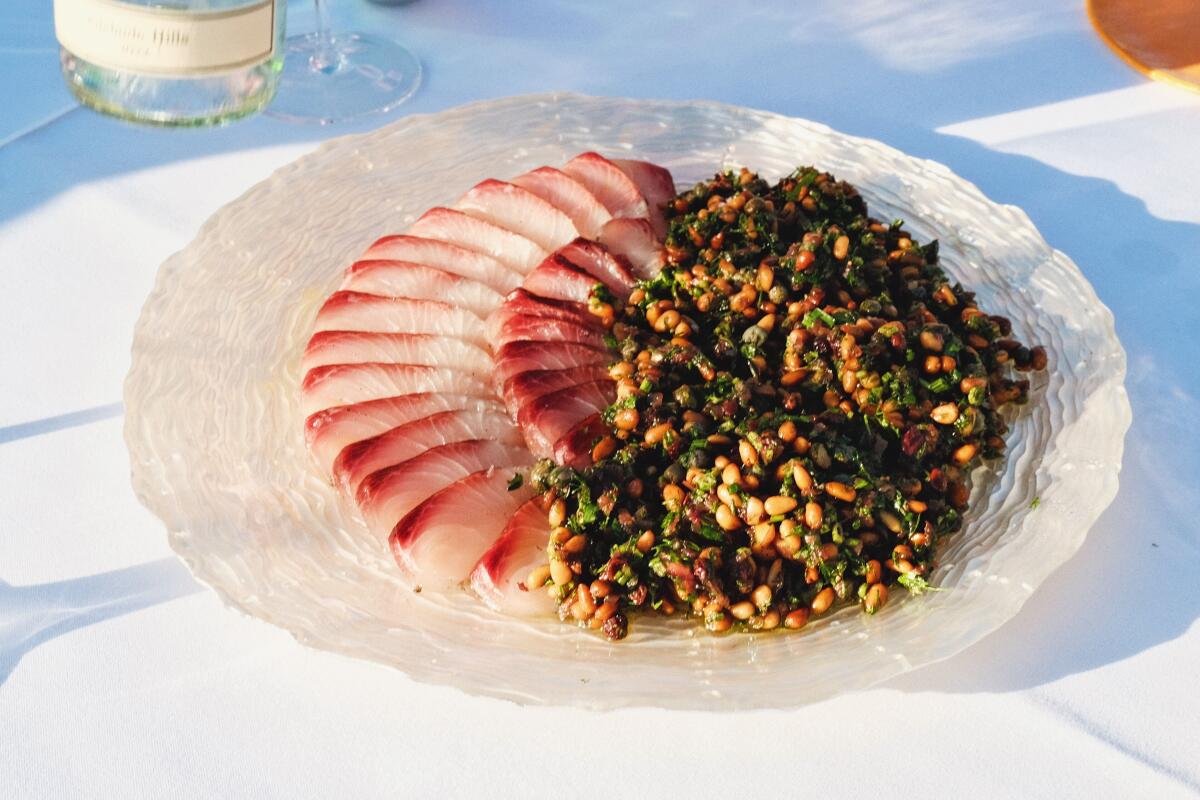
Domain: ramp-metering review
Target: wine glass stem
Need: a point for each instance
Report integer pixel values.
(325, 56)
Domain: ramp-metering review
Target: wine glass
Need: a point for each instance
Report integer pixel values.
(328, 77)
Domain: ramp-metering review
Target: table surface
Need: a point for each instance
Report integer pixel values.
(120, 676)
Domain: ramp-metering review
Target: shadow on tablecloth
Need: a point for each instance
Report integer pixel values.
(1132, 585)
(33, 615)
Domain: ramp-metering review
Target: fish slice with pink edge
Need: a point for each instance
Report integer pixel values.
(442, 538)
(419, 282)
(356, 311)
(525, 327)
(527, 386)
(548, 418)
(501, 574)
(366, 347)
(511, 249)
(384, 497)
(635, 241)
(516, 357)
(567, 194)
(331, 430)
(344, 384)
(442, 255)
(520, 211)
(656, 185)
(401, 443)
(611, 186)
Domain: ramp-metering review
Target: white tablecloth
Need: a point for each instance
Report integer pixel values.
(120, 676)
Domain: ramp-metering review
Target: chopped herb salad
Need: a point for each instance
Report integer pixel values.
(801, 394)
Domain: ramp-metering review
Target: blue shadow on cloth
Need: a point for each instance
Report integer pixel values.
(1131, 586)
(32, 615)
(37, 427)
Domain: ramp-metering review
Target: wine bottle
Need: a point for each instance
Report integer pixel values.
(171, 62)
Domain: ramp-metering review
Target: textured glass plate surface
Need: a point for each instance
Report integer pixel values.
(214, 430)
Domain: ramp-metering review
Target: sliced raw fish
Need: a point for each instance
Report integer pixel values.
(655, 184)
(419, 282)
(525, 387)
(564, 192)
(521, 301)
(500, 574)
(384, 497)
(595, 259)
(528, 328)
(551, 416)
(634, 239)
(401, 443)
(510, 249)
(442, 255)
(520, 211)
(609, 184)
(355, 311)
(559, 279)
(517, 357)
(344, 384)
(441, 539)
(363, 347)
(574, 448)
(331, 430)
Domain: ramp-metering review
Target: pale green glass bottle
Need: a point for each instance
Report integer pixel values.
(172, 62)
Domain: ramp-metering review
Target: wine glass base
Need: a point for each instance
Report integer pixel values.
(353, 75)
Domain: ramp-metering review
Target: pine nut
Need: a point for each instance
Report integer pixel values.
(779, 504)
(626, 419)
(603, 449)
(823, 601)
(657, 433)
(795, 620)
(584, 598)
(645, 542)
(875, 598)
(557, 513)
(945, 414)
(743, 610)
(538, 577)
(803, 479)
(841, 247)
(813, 515)
(727, 519)
(765, 278)
(754, 511)
(840, 491)
(561, 573)
(607, 609)
(789, 546)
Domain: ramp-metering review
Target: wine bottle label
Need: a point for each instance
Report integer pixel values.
(159, 41)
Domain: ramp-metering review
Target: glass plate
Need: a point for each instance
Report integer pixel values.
(214, 430)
